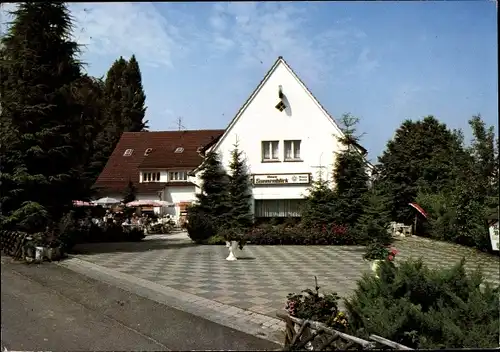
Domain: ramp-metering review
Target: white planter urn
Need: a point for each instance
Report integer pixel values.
(375, 265)
(232, 246)
(39, 253)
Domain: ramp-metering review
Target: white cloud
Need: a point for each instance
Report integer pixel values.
(112, 29)
(257, 33)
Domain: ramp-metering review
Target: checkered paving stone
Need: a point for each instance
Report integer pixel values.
(264, 275)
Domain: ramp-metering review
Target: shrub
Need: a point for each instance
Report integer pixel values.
(300, 235)
(215, 240)
(69, 231)
(423, 308)
(311, 305)
(199, 225)
(375, 251)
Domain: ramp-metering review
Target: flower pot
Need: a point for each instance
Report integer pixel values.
(375, 265)
(232, 246)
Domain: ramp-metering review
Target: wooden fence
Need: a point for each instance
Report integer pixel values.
(314, 336)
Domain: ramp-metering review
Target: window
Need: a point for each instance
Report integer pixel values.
(179, 150)
(280, 106)
(148, 151)
(270, 150)
(177, 176)
(128, 152)
(150, 177)
(292, 150)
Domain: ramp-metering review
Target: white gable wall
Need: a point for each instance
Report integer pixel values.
(303, 120)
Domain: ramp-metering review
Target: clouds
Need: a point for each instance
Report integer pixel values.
(114, 29)
(257, 33)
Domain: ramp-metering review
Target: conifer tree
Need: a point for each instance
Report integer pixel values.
(240, 215)
(319, 205)
(40, 114)
(133, 98)
(214, 196)
(350, 175)
(372, 226)
(130, 193)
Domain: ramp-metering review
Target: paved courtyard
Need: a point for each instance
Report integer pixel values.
(262, 278)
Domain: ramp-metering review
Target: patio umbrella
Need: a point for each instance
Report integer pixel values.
(81, 203)
(148, 203)
(107, 201)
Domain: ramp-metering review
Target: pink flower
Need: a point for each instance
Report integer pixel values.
(391, 257)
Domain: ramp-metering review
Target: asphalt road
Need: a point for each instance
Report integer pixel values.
(48, 307)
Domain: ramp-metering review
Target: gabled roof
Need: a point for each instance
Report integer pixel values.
(273, 68)
(120, 169)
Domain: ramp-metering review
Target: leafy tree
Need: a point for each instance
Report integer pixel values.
(423, 155)
(484, 154)
(42, 155)
(240, 215)
(350, 175)
(133, 98)
(130, 193)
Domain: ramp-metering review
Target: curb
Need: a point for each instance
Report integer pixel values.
(259, 325)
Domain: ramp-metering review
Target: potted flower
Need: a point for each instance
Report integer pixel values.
(376, 253)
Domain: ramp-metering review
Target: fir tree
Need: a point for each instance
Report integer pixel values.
(239, 192)
(372, 226)
(42, 155)
(130, 193)
(213, 199)
(319, 205)
(350, 175)
(133, 98)
(114, 86)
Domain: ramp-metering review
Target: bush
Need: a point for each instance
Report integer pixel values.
(200, 226)
(311, 305)
(215, 240)
(423, 308)
(300, 235)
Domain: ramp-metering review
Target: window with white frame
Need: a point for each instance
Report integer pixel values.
(178, 176)
(150, 177)
(270, 150)
(292, 150)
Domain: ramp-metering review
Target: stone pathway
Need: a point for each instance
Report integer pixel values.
(260, 281)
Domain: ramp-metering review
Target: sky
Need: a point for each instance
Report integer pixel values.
(384, 62)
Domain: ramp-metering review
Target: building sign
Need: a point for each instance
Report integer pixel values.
(282, 179)
(494, 237)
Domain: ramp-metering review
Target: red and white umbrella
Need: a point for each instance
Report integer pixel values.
(419, 209)
(81, 203)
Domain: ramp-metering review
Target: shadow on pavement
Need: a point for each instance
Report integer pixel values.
(131, 247)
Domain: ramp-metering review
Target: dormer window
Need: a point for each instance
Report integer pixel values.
(148, 151)
(280, 106)
(179, 150)
(128, 152)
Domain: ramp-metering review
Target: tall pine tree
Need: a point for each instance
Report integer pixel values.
(240, 215)
(133, 98)
(350, 175)
(42, 154)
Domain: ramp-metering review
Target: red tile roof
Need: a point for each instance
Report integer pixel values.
(120, 169)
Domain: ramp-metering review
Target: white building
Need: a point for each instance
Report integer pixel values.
(286, 136)
(287, 139)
